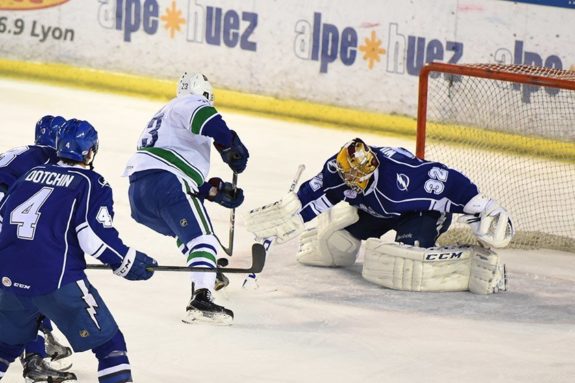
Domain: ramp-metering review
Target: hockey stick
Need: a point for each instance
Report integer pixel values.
(258, 262)
(228, 250)
(268, 241)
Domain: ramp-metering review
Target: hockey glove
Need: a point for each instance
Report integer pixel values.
(236, 155)
(135, 266)
(489, 221)
(224, 193)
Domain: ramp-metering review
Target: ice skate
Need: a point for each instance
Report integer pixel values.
(37, 370)
(57, 352)
(202, 309)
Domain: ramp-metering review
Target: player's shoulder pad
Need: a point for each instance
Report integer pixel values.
(96, 178)
(102, 181)
(394, 152)
(191, 101)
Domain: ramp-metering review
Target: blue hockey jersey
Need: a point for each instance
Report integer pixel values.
(52, 216)
(17, 161)
(402, 183)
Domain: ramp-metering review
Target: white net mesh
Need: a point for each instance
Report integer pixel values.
(515, 140)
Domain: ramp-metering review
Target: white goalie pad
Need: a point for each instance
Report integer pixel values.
(327, 244)
(410, 268)
(280, 219)
(487, 272)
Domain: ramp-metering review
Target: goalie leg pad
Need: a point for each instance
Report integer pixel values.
(327, 244)
(487, 273)
(410, 268)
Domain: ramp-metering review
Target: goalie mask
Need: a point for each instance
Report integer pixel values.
(355, 164)
(195, 83)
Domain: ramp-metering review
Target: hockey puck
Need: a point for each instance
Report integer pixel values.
(222, 262)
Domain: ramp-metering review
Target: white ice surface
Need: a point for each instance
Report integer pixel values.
(303, 324)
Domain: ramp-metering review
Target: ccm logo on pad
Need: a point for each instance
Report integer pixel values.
(443, 256)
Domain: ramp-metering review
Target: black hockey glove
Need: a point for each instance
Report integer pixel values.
(236, 156)
(224, 193)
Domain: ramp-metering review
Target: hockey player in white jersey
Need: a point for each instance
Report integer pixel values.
(168, 183)
(363, 192)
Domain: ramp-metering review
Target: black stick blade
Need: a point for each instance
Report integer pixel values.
(258, 258)
(258, 262)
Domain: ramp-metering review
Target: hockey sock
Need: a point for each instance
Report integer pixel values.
(3, 367)
(113, 363)
(37, 346)
(46, 325)
(8, 354)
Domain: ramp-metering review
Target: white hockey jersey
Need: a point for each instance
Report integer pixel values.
(173, 141)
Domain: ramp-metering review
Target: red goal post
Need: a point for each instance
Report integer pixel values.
(511, 130)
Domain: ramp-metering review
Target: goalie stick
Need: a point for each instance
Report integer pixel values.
(268, 242)
(258, 262)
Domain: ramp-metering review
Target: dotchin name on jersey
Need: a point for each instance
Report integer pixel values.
(49, 178)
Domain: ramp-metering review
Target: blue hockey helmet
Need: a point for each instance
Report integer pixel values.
(47, 130)
(75, 139)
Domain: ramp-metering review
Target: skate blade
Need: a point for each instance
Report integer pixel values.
(62, 356)
(195, 316)
(53, 381)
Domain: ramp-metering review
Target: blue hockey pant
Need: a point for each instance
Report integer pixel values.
(418, 228)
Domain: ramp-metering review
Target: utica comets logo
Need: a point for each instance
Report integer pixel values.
(402, 182)
(24, 5)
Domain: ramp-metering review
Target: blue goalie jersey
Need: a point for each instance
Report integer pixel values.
(51, 217)
(402, 183)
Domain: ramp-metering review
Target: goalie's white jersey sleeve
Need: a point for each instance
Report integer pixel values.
(173, 141)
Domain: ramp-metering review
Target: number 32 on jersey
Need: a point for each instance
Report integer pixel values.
(435, 184)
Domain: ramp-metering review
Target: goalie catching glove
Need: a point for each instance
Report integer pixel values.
(280, 219)
(489, 221)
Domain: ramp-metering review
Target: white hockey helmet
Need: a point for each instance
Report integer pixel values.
(195, 83)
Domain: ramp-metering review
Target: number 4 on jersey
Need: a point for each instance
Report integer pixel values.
(104, 217)
(27, 214)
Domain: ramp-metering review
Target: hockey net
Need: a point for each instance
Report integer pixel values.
(511, 130)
